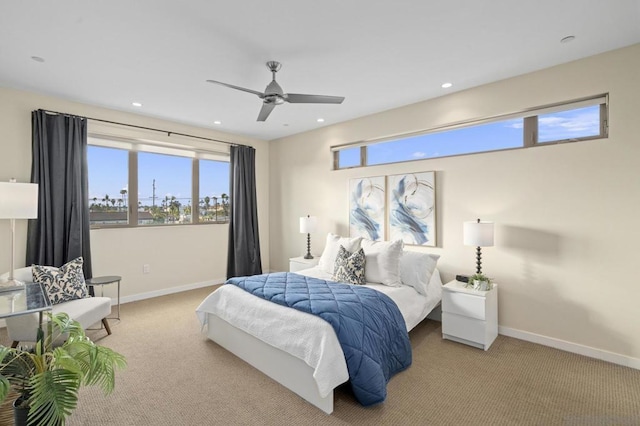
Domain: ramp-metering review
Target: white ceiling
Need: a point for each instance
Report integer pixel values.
(378, 54)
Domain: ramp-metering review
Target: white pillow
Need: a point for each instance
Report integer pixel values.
(416, 269)
(328, 259)
(383, 261)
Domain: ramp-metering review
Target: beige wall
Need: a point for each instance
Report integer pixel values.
(566, 215)
(178, 255)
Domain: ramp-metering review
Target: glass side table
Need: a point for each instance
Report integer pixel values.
(24, 299)
(106, 280)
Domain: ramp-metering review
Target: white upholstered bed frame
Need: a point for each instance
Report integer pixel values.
(289, 371)
(286, 369)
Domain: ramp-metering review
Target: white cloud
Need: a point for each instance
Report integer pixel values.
(558, 127)
(419, 154)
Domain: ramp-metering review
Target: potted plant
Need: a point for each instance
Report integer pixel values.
(47, 377)
(480, 282)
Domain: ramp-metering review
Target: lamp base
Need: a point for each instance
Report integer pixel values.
(308, 255)
(10, 283)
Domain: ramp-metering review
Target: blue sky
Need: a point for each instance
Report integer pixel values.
(491, 136)
(108, 169)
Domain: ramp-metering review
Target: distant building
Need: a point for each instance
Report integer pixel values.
(118, 218)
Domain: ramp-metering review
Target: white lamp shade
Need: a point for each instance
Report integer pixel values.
(18, 200)
(478, 234)
(308, 224)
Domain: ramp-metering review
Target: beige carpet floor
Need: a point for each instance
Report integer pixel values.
(176, 376)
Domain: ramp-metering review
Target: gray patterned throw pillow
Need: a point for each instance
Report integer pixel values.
(349, 267)
(62, 284)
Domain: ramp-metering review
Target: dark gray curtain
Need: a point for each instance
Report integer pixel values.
(59, 167)
(244, 244)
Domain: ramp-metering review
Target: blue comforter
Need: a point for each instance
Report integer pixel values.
(369, 326)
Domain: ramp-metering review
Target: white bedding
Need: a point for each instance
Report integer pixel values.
(303, 335)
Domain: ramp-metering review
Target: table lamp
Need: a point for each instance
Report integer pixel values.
(307, 226)
(17, 201)
(479, 234)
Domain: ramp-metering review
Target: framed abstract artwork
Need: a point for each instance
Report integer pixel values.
(412, 208)
(367, 208)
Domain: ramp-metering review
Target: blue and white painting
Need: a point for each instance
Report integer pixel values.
(367, 208)
(412, 208)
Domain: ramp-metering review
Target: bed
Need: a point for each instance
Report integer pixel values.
(299, 350)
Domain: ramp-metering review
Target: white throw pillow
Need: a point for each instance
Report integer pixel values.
(416, 269)
(383, 261)
(328, 259)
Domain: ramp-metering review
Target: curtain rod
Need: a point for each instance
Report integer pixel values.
(146, 128)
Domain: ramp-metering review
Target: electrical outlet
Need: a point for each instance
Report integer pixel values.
(146, 268)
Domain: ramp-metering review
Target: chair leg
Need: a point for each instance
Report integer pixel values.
(14, 344)
(106, 325)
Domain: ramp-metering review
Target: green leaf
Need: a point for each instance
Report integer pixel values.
(54, 396)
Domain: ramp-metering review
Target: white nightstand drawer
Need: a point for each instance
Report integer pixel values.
(463, 327)
(467, 305)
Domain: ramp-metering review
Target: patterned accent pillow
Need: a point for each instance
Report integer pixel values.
(64, 283)
(349, 267)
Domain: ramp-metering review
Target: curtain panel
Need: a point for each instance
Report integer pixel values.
(59, 167)
(243, 257)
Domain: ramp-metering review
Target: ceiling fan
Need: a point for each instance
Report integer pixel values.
(273, 94)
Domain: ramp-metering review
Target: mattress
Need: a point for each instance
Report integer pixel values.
(413, 306)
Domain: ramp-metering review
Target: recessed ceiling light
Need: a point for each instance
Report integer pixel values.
(217, 122)
(37, 58)
(136, 104)
(320, 120)
(567, 39)
(446, 85)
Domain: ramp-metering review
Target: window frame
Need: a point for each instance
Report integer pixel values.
(529, 131)
(133, 148)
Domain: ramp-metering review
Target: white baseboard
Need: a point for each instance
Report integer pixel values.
(576, 348)
(166, 291)
(151, 294)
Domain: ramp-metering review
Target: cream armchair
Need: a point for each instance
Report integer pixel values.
(87, 312)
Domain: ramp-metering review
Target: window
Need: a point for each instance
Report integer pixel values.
(571, 125)
(214, 200)
(567, 122)
(349, 157)
(164, 189)
(486, 137)
(166, 180)
(108, 183)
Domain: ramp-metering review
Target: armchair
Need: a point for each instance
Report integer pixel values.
(87, 311)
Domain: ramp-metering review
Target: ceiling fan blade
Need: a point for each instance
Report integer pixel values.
(297, 98)
(265, 111)
(255, 92)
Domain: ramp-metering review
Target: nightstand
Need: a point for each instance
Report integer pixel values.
(469, 316)
(299, 263)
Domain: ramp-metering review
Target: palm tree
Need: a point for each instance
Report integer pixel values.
(123, 192)
(205, 207)
(225, 204)
(215, 206)
(174, 208)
